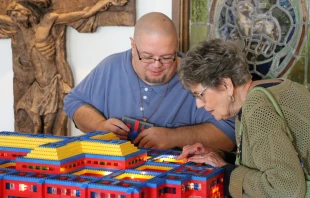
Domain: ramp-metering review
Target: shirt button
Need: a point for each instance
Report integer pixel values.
(141, 108)
(144, 97)
(146, 89)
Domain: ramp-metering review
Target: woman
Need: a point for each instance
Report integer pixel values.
(217, 74)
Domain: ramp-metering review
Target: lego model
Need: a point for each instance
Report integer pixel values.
(135, 127)
(98, 165)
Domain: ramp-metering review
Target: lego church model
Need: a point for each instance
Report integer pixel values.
(98, 165)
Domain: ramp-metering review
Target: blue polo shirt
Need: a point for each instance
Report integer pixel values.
(112, 88)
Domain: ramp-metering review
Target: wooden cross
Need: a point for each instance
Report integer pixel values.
(42, 76)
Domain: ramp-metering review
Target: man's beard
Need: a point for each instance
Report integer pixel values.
(156, 81)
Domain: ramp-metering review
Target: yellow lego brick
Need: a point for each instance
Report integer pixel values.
(109, 136)
(133, 176)
(59, 153)
(97, 172)
(24, 142)
(108, 149)
(6, 165)
(172, 160)
(162, 168)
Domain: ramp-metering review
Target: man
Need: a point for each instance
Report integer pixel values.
(142, 84)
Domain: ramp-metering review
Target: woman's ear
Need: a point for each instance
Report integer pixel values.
(229, 86)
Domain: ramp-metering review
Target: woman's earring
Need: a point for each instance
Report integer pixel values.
(232, 99)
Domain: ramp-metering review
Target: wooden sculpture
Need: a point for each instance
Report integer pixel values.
(42, 76)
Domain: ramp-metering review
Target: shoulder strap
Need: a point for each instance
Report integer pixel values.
(288, 131)
(277, 108)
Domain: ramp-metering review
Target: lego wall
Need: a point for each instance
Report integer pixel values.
(84, 52)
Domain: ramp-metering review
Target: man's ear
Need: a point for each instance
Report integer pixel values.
(133, 46)
(132, 43)
(228, 85)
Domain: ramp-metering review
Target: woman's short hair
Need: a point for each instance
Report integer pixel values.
(211, 61)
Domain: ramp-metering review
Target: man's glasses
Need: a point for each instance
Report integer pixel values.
(153, 60)
(199, 96)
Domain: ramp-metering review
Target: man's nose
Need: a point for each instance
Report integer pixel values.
(157, 63)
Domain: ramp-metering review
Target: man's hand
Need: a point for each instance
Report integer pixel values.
(199, 154)
(155, 137)
(116, 126)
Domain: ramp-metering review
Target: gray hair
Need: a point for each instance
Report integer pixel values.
(211, 61)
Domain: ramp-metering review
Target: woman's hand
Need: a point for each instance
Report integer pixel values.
(212, 158)
(199, 154)
(191, 150)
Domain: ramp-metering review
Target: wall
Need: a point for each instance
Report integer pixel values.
(84, 52)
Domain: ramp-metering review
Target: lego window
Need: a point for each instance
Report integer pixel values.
(10, 186)
(22, 187)
(197, 186)
(51, 190)
(169, 190)
(33, 188)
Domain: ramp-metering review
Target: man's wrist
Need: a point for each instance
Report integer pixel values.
(101, 126)
(173, 137)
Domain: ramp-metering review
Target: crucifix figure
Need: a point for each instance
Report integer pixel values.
(42, 75)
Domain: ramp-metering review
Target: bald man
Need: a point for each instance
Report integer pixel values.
(141, 83)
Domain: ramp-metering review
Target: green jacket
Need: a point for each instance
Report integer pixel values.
(270, 166)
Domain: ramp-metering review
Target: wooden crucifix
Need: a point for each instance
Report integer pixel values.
(42, 76)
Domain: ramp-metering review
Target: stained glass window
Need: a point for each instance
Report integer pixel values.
(275, 33)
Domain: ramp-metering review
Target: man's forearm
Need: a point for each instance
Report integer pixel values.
(87, 118)
(206, 133)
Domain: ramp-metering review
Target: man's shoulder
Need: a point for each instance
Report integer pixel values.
(117, 57)
(115, 60)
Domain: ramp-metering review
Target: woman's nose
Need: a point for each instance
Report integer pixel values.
(199, 103)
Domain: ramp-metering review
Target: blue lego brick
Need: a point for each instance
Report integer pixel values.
(176, 179)
(4, 161)
(116, 185)
(155, 182)
(14, 149)
(154, 174)
(27, 177)
(6, 171)
(150, 163)
(215, 172)
(132, 155)
(173, 152)
(201, 172)
(71, 180)
(87, 168)
(155, 152)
